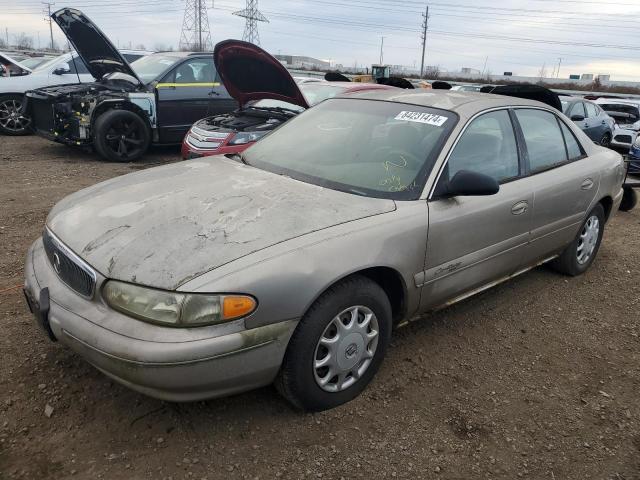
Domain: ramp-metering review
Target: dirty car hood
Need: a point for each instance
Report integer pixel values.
(250, 73)
(165, 226)
(100, 55)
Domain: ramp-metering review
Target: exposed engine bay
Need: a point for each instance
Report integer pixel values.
(66, 113)
(254, 119)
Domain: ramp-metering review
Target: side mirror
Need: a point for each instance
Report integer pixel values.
(62, 69)
(471, 184)
(577, 118)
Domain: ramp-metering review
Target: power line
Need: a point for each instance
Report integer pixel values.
(252, 16)
(47, 12)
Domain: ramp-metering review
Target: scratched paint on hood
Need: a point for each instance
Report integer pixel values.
(164, 226)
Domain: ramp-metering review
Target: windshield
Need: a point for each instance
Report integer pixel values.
(34, 62)
(371, 148)
(147, 68)
(64, 58)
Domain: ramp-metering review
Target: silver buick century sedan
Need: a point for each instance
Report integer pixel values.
(293, 262)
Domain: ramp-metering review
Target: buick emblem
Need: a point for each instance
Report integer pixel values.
(351, 351)
(56, 262)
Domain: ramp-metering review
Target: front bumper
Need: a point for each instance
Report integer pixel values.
(166, 363)
(634, 160)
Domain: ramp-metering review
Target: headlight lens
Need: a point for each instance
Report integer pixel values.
(242, 138)
(174, 308)
(636, 144)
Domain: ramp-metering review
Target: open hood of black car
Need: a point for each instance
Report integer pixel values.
(249, 73)
(529, 92)
(14, 66)
(99, 54)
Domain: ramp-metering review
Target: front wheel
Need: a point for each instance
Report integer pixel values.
(338, 346)
(121, 136)
(12, 119)
(605, 141)
(580, 254)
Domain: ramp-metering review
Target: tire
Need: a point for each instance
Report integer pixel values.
(299, 380)
(121, 136)
(569, 262)
(629, 199)
(605, 141)
(12, 122)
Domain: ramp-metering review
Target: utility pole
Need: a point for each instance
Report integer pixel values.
(47, 11)
(559, 65)
(425, 26)
(382, 51)
(252, 16)
(6, 31)
(195, 34)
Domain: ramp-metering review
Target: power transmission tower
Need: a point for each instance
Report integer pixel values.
(47, 12)
(252, 16)
(423, 36)
(196, 34)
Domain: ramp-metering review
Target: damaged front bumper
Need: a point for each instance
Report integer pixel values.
(166, 363)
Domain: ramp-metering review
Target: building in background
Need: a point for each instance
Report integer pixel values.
(300, 61)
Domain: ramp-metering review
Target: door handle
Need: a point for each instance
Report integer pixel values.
(520, 208)
(587, 184)
(212, 93)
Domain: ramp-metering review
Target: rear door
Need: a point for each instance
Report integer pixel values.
(476, 240)
(186, 94)
(564, 181)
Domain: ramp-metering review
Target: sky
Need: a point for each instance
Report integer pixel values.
(520, 36)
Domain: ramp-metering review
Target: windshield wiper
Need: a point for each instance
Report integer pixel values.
(276, 109)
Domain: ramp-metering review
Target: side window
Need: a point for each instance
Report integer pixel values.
(592, 111)
(573, 147)
(76, 65)
(543, 139)
(487, 146)
(577, 109)
(195, 70)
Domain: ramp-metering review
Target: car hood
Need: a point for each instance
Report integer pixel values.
(99, 54)
(6, 59)
(250, 73)
(167, 225)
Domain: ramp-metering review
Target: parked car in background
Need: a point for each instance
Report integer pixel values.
(207, 278)
(154, 100)
(590, 118)
(466, 88)
(268, 96)
(626, 114)
(65, 69)
(634, 157)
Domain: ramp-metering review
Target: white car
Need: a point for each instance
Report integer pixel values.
(64, 69)
(626, 113)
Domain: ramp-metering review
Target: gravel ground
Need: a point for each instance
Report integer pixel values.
(538, 378)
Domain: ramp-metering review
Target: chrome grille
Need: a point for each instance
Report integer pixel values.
(623, 138)
(68, 266)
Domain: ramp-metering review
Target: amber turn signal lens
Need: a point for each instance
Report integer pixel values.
(236, 307)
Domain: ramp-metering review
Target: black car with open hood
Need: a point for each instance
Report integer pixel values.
(154, 100)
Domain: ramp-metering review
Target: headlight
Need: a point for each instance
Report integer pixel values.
(174, 308)
(242, 138)
(636, 144)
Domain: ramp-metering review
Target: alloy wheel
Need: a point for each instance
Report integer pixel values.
(588, 239)
(345, 349)
(124, 138)
(11, 118)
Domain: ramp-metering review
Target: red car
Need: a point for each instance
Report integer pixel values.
(267, 94)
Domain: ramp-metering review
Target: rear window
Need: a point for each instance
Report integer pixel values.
(365, 147)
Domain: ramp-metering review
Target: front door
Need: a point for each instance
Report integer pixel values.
(474, 241)
(187, 94)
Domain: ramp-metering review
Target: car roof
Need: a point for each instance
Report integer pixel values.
(622, 101)
(463, 103)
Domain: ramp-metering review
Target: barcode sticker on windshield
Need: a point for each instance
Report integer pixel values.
(422, 117)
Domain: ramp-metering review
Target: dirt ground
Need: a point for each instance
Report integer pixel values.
(538, 378)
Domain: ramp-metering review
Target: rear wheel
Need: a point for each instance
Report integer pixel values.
(605, 141)
(337, 347)
(580, 254)
(12, 120)
(629, 199)
(121, 136)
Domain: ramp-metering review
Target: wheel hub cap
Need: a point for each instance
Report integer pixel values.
(588, 239)
(345, 349)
